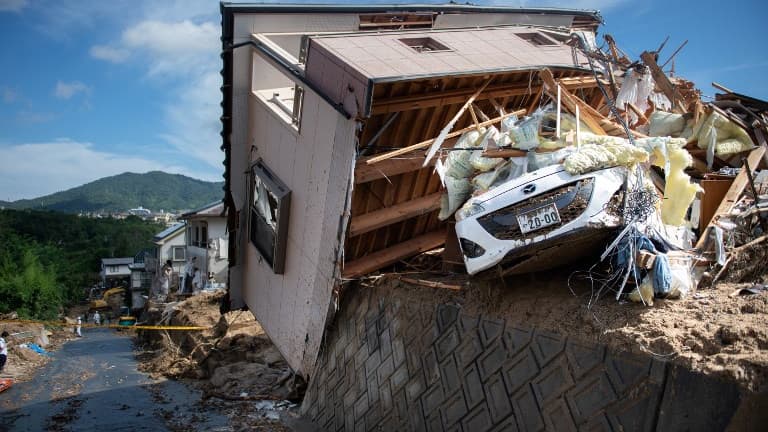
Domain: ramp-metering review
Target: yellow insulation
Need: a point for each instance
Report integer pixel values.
(729, 137)
(679, 192)
(603, 152)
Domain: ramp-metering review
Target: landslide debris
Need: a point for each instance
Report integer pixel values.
(233, 359)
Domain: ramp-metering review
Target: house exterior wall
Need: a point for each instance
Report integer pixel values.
(213, 257)
(165, 250)
(291, 307)
(266, 77)
(115, 271)
(316, 165)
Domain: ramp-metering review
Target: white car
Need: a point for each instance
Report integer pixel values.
(540, 220)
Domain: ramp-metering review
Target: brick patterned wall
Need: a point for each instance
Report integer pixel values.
(394, 361)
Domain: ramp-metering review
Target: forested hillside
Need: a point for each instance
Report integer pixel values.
(154, 190)
(48, 259)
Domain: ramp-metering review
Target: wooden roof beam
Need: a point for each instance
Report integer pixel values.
(386, 257)
(589, 115)
(425, 144)
(661, 79)
(397, 213)
(419, 101)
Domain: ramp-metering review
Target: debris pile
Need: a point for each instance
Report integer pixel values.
(689, 199)
(232, 360)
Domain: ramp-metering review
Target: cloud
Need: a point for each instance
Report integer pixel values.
(12, 5)
(37, 169)
(67, 90)
(175, 48)
(108, 53)
(193, 120)
(184, 57)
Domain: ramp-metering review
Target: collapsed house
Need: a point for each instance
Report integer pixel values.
(359, 136)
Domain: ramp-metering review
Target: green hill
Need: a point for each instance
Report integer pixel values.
(154, 190)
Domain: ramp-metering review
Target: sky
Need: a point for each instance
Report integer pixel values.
(90, 89)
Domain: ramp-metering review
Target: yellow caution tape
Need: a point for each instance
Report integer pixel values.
(116, 326)
(152, 327)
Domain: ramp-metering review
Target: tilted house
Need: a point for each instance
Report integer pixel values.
(311, 93)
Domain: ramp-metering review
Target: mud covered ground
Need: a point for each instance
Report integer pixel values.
(23, 363)
(232, 363)
(229, 377)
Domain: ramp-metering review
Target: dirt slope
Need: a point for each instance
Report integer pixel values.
(233, 359)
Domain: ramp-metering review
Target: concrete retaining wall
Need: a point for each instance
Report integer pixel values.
(396, 359)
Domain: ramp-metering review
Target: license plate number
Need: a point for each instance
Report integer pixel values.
(539, 218)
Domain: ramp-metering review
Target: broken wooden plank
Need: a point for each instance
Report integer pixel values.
(721, 87)
(640, 114)
(393, 254)
(589, 115)
(399, 212)
(504, 153)
(452, 122)
(429, 284)
(733, 194)
(365, 173)
(673, 54)
(663, 81)
(535, 101)
(427, 143)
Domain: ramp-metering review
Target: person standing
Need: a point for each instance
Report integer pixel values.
(3, 350)
(79, 324)
(166, 274)
(97, 318)
(189, 273)
(197, 281)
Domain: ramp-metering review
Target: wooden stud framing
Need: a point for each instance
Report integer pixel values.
(391, 255)
(736, 189)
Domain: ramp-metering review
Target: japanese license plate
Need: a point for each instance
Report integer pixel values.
(539, 218)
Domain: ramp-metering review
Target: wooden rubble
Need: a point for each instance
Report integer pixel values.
(396, 196)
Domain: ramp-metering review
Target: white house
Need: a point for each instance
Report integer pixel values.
(206, 239)
(171, 245)
(116, 271)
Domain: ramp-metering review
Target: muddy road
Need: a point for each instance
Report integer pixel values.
(93, 384)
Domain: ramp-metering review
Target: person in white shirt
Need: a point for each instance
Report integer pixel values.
(197, 281)
(79, 324)
(97, 318)
(3, 350)
(165, 279)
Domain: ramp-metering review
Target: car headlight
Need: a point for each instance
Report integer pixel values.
(469, 210)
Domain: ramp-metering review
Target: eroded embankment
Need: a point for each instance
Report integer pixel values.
(233, 359)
